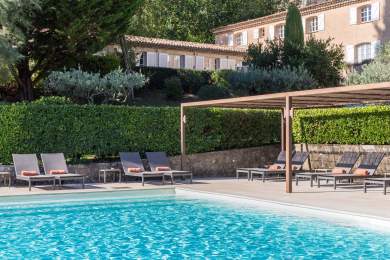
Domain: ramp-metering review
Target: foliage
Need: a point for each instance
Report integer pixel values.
(359, 125)
(192, 20)
(193, 80)
(106, 130)
(208, 92)
(376, 71)
(321, 58)
(53, 100)
(79, 85)
(267, 81)
(62, 31)
(98, 64)
(173, 88)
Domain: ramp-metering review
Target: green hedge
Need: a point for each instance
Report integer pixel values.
(105, 130)
(363, 125)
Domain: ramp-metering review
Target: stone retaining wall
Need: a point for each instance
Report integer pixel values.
(213, 164)
(326, 156)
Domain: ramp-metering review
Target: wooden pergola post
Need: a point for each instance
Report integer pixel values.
(282, 131)
(289, 144)
(182, 135)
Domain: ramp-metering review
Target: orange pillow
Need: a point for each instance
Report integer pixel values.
(163, 168)
(338, 171)
(361, 172)
(134, 170)
(55, 172)
(29, 173)
(274, 167)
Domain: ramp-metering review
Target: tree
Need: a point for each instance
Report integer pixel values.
(61, 32)
(294, 38)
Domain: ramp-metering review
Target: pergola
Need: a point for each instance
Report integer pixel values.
(288, 101)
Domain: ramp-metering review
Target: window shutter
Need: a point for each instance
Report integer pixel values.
(151, 59)
(350, 54)
(224, 64)
(230, 39)
(375, 11)
(321, 22)
(304, 24)
(375, 45)
(163, 60)
(353, 15)
(244, 38)
(189, 62)
(256, 33)
(199, 62)
(271, 32)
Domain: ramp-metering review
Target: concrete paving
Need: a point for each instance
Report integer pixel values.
(346, 198)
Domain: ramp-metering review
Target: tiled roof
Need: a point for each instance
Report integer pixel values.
(281, 16)
(139, 41)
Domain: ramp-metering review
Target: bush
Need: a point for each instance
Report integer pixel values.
(193, 80)
(96, 64)
(376, 71)
(82, 86)
(157, 76)
(213, 92)
(106, 130)
(52, 100)
(362, 125)
(173, 88)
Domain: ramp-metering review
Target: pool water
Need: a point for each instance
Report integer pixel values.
(175, 228)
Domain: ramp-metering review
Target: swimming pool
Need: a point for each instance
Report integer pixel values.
(160, 224)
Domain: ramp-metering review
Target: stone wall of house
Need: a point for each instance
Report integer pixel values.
(326, 155)
(213, 164)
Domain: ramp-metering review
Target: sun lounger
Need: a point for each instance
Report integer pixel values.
(27, 169)
(367, 167)
(344, 164)
(55, 165)
(279, 163)
(159, 162)
(384, 182)
(298, 160)
(132, 166)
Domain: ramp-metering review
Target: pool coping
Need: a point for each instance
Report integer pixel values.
(341, 217)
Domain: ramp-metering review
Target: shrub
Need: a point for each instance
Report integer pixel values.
(193, 80)
(79, 85)
(52, 100)
(208, 92)
(376, 71)
(99, 64)
(173, 88)
(359, 125)
(157, 76)
(106, 130)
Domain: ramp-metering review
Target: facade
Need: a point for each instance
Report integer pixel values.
(359, 25)
(154, 52)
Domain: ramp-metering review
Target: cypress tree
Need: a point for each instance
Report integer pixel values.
(294, 29)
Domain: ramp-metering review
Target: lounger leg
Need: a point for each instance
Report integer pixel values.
(365, 187)
(263, 176)
(54, 184)
(318, 183)
(29, 185)
(83, 184)
(143, 180)
(335, 183)
(311, 181)
(384, 189)
(296, 180)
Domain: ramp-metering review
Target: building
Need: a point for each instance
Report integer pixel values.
(360, 25)
(154, 52)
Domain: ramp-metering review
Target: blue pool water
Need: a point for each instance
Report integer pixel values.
(175, 228)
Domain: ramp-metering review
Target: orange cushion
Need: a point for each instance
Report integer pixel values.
(296, 167)
(163, 168)
(338, 171)
(29, 173)
(54, 172)
(274, 167)
(134, 170)
(361, 172)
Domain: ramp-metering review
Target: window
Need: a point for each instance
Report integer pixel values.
(313, 24)
(239, 39)
(364, 52)
(142, 60)
(217, 63)
(366, 14)
(261, 32)
(280, 31)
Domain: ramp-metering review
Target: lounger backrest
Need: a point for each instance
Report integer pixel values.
(131, 160)
(157, 159)
(371, 161)
(54, 161)
(347, 161)
(25, 162)
(299, 159)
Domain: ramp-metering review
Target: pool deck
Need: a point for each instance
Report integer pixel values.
(347, 198)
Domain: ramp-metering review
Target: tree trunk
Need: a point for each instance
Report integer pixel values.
(24, 80)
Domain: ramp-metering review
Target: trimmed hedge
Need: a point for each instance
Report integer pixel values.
(359, 125)
(106, 130)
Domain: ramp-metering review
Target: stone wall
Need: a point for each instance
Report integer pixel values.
(213, 164)
(326, 155)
